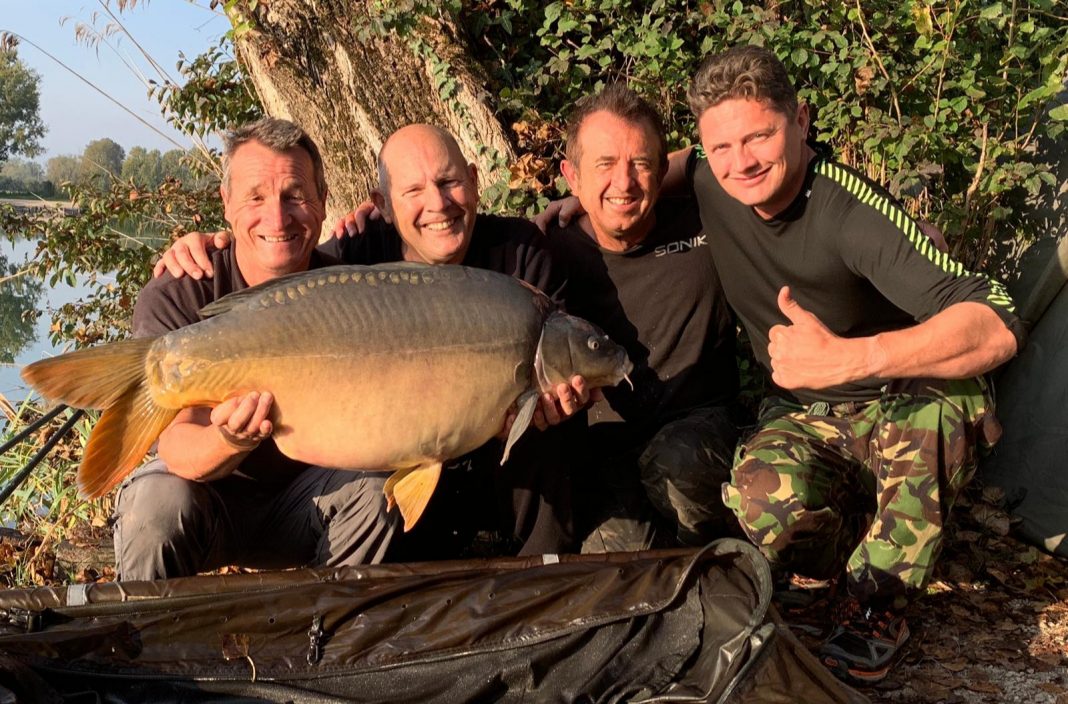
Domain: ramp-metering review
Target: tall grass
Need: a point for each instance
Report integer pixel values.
(46, 508)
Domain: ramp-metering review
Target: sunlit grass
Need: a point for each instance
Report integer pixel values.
(45, 508)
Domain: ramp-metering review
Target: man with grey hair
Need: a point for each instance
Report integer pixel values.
(219, 491)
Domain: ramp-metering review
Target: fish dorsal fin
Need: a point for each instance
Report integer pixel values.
(290, 281)
(410, 489)
(527, 403)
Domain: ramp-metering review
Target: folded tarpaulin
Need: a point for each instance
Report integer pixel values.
(666, 626)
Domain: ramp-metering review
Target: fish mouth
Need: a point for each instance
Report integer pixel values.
(628, 367)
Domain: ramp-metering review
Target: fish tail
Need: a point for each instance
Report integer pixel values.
(111, 377)
(122, 436)
(91, 378)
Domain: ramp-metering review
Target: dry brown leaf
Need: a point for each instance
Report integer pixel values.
(997, 522)
(983, 687)
(955, 665)
(235, 645)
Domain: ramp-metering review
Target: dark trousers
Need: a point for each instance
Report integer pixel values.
(657, 486)
(525, 504)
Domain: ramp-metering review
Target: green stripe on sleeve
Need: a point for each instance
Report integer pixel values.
(902, 221)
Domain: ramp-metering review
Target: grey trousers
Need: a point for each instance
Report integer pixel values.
(166, 526)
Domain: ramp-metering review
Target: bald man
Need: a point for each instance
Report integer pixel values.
(428, 198)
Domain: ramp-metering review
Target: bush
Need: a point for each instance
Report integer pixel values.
(942, 102)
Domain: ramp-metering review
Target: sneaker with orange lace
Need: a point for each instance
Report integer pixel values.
(865, 643)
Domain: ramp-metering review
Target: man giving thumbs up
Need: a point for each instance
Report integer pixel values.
(875, 340)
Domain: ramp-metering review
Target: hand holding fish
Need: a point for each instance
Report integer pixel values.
(242, 421)
(191, 254)
(552, 410)
(568, 400)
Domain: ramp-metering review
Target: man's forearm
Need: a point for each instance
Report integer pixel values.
(675, 184)
(964, 340)
(196, 451)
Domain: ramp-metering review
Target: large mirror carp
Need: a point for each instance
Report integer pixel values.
(394, 367)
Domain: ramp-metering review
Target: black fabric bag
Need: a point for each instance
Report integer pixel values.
(666, 626)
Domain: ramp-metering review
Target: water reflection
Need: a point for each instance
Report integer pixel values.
(19, 311)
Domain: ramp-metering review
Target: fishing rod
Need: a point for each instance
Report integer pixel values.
(25, 432)
(43, 452)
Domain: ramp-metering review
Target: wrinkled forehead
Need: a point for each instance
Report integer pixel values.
(254, 163)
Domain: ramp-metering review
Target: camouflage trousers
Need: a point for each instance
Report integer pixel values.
(862, 487)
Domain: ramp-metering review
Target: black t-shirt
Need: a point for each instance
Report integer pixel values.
(166, 304)
(506, 245)
(662, 301)
(850, 254)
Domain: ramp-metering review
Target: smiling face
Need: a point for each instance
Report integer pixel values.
(617, 178)
(432, 196)
(274, 209)
(756, 152)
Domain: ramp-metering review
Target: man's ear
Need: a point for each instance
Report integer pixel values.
(382, 204)
(803, 117)
(474, 175)
(225, 201)
(570, 174)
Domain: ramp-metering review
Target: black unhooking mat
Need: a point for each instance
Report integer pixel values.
(667, 626)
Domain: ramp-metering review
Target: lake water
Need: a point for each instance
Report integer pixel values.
(11, 385)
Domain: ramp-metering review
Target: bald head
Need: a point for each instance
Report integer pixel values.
(414, 137)
(429, 192)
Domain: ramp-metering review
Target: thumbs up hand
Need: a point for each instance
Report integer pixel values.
(806, 355)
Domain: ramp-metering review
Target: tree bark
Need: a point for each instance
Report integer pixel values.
(309, 64)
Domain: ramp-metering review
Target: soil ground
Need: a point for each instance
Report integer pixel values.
(993, 626)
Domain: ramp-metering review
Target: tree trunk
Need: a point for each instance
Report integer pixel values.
(310, 65)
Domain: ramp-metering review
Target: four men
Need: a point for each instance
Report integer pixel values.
(875, 341)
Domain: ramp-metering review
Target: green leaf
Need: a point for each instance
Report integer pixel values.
(992, 11)
(1059, 113)
(552, 12)
(799, 57)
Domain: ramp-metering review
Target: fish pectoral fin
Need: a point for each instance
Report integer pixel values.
(410, 489)
(527, 403)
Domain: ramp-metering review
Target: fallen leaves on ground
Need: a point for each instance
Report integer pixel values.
(993, 626)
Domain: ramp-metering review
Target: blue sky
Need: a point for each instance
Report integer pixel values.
(74, 113)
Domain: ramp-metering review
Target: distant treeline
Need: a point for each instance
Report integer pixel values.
(103, 162)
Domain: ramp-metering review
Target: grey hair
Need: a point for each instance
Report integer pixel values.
(276, 134)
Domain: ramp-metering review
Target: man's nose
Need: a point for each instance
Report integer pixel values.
(742, 159)
(622, 176)
(277, 213)
(437, 198)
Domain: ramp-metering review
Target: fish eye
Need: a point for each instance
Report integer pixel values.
(593, 343)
